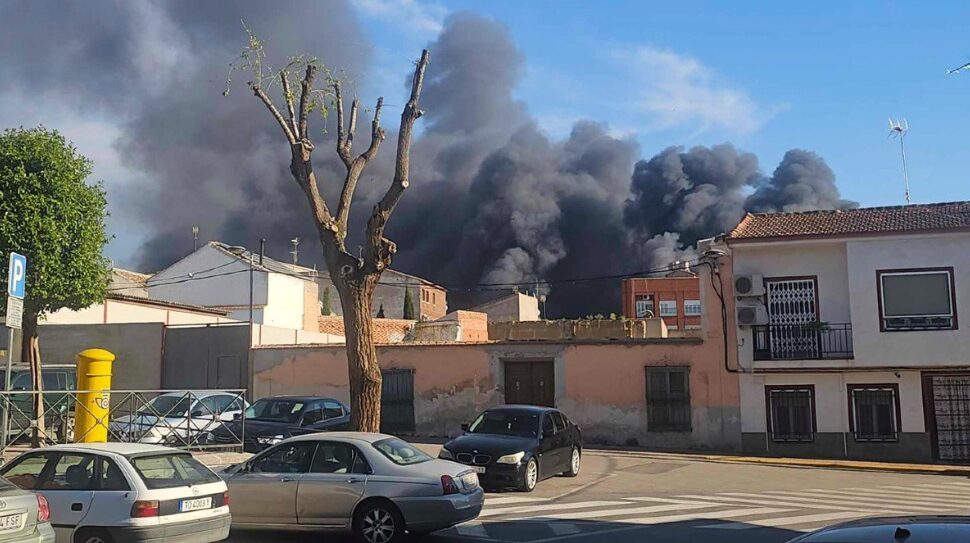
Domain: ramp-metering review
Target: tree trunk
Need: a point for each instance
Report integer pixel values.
(363, 371)
(30, 353)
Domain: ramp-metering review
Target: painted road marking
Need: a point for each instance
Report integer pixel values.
(629, 511)
(511, 499)
(472, 529)
(915, 503)
(760, 499)
(783, 521)
(549, 507)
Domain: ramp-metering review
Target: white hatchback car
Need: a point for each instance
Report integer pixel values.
(179, 418)
(120, 492)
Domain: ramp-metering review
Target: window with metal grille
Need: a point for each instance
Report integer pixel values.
(668, 308)
(668, 399)
(791, 412)
(692, 308)
(875, 412)
(920, 299)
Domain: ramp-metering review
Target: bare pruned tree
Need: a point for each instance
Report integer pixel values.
(354, 276)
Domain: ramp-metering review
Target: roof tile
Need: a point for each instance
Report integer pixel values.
(842, 222)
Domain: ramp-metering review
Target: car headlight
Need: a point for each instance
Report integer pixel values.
(269, 440)
(445, 454)
(511, 458)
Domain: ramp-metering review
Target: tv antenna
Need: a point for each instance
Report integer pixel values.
(898, 129)
(295, 242)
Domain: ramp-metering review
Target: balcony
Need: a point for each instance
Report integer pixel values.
(814, 341)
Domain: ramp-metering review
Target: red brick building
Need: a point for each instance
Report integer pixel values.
(674, 297)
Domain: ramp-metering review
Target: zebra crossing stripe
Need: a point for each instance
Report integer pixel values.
(512, 499)
(785, 521)
(549, 507)
(842, 499)
(760, 499)
(935, 491)
(914, 502)
(581, 515)
(917, 493)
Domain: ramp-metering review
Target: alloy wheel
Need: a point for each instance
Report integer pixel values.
(531, 474)
(378, 526)
(574, 461)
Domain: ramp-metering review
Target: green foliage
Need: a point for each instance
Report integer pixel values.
(325, 305)
(408, 305)
(49, 214)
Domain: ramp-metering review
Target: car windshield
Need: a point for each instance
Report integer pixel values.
(167, 406)
(400, 452)
(172, 470)
(506, 423)
(276, 410)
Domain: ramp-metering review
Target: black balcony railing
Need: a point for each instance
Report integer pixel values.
(802, 341)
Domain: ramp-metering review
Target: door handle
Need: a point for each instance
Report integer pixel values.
(288, 479)
(353, 480)
(77, 506)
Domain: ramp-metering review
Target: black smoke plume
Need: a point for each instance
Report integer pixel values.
(493, 198)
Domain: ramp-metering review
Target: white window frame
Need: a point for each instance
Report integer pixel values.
(644, 302)
(693, 303)
(929, 271)
(670, 304)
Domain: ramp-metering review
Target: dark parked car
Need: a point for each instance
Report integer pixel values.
(271, 420)
(919, 529)
(516, 446)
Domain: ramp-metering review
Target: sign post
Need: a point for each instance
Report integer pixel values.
(16, 288)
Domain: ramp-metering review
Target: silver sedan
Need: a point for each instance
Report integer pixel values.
(25, 517)
(374, 485)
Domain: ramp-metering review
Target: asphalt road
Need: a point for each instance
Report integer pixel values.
(634, 497)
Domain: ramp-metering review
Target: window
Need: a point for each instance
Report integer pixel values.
(668, 308)
(212, 406)
(506, 423)
(917, 299)
(668, 400)
(692, 308)
(559, 420)
(337, 458)
(548, 426)
(172, 470)
(276, 410)
(285, 458)
(71, 472)
(111, 477)
(332, 410)
(791, 412)
(51, 381)
(644, 307)
(27, 471)
(400, 452)
(874, 414)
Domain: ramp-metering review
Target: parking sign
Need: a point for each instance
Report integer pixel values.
(17, 276)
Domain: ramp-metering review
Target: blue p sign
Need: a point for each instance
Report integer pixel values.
(17, 276)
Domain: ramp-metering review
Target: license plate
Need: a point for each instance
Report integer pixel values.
(478, 469)
(195, 504)
(11, 522)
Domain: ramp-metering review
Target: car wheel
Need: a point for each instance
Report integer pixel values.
(378, 522)
(575, 462)
(92, 535)
(530, 476)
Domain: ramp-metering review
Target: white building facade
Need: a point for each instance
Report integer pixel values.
(849, 338)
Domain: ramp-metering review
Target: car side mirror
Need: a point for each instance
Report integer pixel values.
(196, 413)
(464, 427)
(237, 416)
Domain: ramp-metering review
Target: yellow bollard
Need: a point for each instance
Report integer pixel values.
(91, 410)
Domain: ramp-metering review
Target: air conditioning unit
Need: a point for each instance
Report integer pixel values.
(751, 314)
(749, 285)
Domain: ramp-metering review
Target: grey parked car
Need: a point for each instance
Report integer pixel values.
(374, 485)
(918, 529)
(25, 517)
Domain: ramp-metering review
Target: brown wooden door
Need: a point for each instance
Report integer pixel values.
(530, 382)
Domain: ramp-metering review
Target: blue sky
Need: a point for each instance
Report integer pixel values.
(767, 77)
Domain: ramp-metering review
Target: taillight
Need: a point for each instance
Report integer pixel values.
(225, 498)
(144, 508)
(43, 509)
(448, 485)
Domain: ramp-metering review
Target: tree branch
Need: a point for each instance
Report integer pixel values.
(289, 98)
(343, 147)
(261, 94)
(376, 132)
(356, 167)
(307, 84)
(352, 129)
(379, 249)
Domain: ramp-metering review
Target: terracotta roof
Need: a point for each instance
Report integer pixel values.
(133, 276)
(165, 303)
(848, 222)
(385, 330)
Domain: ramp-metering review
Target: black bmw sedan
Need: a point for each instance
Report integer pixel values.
(271, 420)
(516, 446)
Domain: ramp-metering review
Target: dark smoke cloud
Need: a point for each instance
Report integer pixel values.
(493, 198)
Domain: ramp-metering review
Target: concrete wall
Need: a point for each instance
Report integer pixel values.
(123, 311)
(926, 348)
(286, 307)
(515, 307)
(137, 347)
(227, 285)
